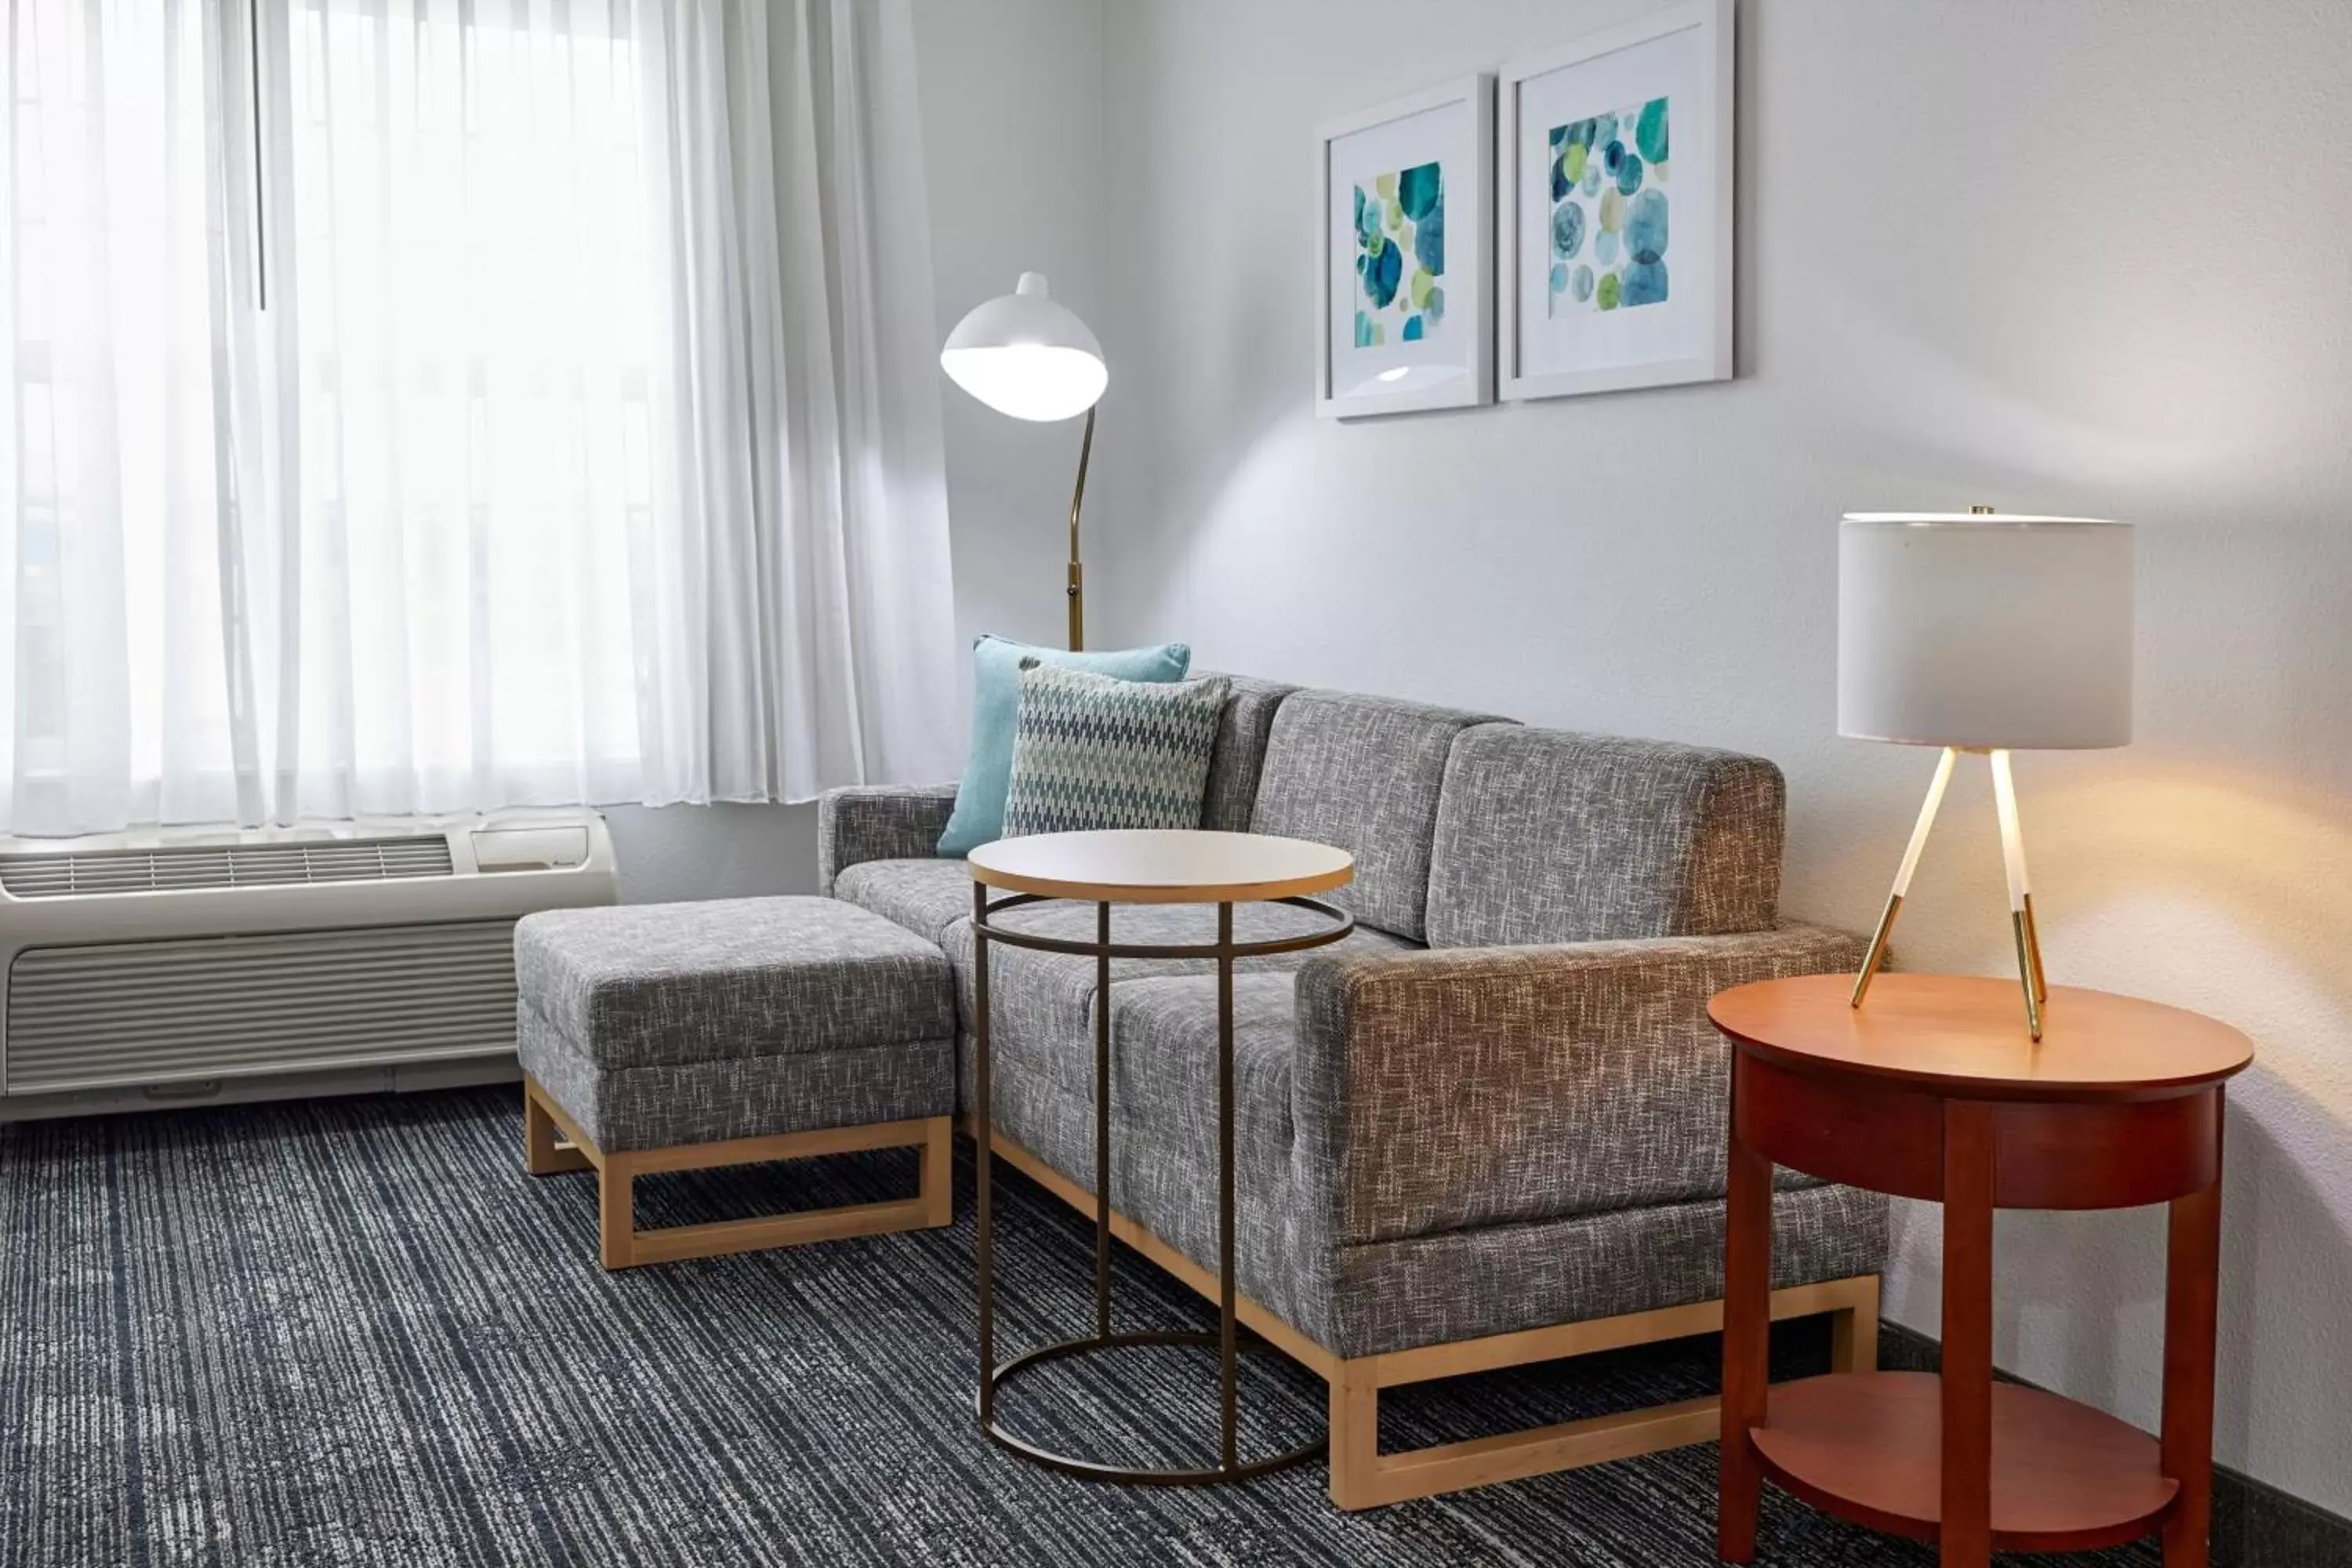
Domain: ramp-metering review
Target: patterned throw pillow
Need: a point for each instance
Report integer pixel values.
(979, 814)
(1092, 751)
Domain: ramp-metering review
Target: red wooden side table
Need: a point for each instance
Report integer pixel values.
(1933, 1090)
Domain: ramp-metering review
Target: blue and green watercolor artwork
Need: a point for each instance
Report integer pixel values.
(1401, 257)
(1609, 211)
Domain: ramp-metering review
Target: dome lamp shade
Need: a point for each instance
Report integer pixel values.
(1026, 355)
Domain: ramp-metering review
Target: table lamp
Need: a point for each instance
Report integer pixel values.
(1026, 355)
(1984, 633)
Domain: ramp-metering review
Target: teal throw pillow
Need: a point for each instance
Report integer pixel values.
(978, 814)
(1090, 752)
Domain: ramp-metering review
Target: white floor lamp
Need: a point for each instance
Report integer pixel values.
(1024, 355)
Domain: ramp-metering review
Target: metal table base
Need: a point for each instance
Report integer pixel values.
(1230, 1464)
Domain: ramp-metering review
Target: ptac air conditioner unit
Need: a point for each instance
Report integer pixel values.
(177, 964)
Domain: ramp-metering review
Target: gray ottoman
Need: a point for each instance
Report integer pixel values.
(679, 1036)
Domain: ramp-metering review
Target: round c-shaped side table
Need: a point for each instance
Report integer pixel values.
(1174, 865)
(1934, 1090)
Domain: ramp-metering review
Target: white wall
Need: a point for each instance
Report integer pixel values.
(1013, 112)
(2077, 257)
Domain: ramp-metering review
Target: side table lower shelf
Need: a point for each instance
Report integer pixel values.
(1868, 1446)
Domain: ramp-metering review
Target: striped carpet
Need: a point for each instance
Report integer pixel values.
(354, 1332)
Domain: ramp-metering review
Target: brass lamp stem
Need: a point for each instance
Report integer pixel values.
(1077, 589)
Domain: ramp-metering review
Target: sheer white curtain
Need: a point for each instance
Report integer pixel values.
(587, 450)
(117, 489)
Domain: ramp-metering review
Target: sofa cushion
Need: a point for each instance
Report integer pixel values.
(1170, 1185)
(1242, 731)
(1547, 836)
(665, 1104)
(1164, 1085)
(1040, 1016)
(1164, 1068)
(647, 983)
(925, 896)
(1485, 1279)
(1362, 773)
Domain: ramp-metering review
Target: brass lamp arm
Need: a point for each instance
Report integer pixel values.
(1077, 591)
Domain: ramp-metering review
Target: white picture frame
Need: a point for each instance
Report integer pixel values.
(1556, 339)
(1449, 362)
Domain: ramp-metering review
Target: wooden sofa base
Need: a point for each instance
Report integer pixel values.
(552, 1144)
(1363, 1477)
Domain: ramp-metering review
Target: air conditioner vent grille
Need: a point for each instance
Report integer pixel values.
(223, 1006)
(80, 874)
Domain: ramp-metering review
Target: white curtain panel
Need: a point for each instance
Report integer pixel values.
(119, 497)
(588, 448)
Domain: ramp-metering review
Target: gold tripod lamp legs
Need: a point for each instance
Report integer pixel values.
(2020, 897)
(1928, 809)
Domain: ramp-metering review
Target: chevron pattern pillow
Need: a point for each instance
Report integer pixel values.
(1093, 751)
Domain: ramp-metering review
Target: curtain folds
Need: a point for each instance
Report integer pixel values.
(588, 449)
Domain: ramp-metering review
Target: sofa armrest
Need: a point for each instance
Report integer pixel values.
(1448, 1088)
(879, 822)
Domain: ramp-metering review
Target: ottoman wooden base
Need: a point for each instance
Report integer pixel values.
(623, 1246)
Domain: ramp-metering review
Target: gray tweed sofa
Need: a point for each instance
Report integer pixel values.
(1488, 1128)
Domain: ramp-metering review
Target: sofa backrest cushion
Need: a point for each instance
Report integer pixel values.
(1363, 774)
(1242, 731)
(1543, 836)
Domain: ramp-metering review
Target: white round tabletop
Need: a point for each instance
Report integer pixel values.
(1161, 866)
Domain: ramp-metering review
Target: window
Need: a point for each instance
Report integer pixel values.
(470, 303)
(580, 453)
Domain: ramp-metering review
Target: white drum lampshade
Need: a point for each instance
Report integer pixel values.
(1983, 633)
(1026, 355)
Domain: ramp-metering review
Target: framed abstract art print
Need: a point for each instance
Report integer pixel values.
(1615, 158)
(1405, 317)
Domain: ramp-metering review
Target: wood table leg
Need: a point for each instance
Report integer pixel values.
(537, 1136)
(543, 1154)
(1853, 1334)
(1967, 1531)
(2191, 1284)
(1355, 1435)
(936, 1183)
(1747, 1337)
(616, 1212)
